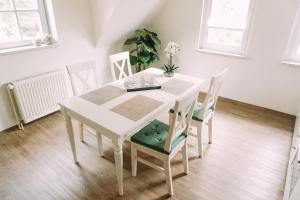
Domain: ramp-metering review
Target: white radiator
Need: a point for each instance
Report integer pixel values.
(37, 96)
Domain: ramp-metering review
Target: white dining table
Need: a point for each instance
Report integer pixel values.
(117, 127)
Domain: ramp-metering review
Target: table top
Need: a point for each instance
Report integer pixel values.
(104, 118)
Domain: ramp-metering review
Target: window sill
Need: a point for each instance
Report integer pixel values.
(25, 48)
(222, 53)
(291, 63)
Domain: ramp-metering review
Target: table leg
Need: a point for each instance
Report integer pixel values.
(119, 166)
(70, 132)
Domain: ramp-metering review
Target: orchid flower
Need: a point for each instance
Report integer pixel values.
(171, 50)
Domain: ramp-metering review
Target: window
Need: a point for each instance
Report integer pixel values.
(292, 54)
(225, 25)
(22, 22)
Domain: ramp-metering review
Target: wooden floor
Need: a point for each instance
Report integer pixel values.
(247, 160)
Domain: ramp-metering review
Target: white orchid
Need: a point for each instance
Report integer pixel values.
(172, 49)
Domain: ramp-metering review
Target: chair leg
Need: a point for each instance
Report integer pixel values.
(133, 160)
(185, 158)
(170, 118)
(100, 144)
(210, 130)
(81, 132)
(199, 135)
(167, 166)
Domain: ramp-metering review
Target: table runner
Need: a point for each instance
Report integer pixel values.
(102, 95)
(136, 107)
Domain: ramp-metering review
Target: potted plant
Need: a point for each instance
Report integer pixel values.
(169, 70)
(145, 51)
(171, 50)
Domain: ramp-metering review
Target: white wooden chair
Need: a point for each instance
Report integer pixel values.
(204, 112)
(164, 141)
(120, 65)
(83, 79)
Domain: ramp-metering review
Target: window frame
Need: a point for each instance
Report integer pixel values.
(290, 55)
(47, 24)
(240, 51)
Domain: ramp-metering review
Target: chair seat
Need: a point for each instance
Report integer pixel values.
(197, 111)
(154, 136)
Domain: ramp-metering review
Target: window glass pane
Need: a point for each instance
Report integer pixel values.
(26, 4)
(293, 47)
(229, 14)
(9, 31)
(30, 25)
(225, 37)
(6, 5)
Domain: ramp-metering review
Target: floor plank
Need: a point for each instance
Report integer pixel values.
(247, 161)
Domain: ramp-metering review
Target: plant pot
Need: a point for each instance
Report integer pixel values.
(169, 74)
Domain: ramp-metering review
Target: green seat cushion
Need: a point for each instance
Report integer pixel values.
(154, 136)
(197, 111)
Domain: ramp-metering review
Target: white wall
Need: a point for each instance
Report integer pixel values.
(102, 13)
(260, 79)
(75, 32)
(120, 18)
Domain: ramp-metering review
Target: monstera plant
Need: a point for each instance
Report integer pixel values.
(145, 51)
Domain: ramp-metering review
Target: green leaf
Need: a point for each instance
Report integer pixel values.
(155, 52)
(145, 52)
(148, 48)
(148, 41)
(140, 33)
(170, 68)
(150, 32)
(156, 40)
(133, 60)
(151, 44)
(131, 41)
(155, 57)
(144, 58)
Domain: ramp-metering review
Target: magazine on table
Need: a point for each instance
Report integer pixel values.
(139, 83)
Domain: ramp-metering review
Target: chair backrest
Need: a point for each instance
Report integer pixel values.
(212, 95)
(120, 65)
(182, 116)
(83, 77)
